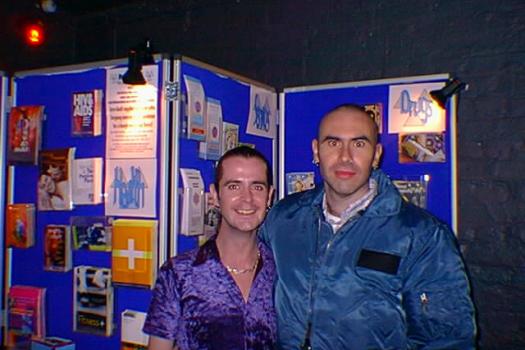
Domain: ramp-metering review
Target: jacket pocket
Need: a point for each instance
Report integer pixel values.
(442, 314)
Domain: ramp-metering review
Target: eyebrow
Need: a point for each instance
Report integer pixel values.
(357, 138)
(229, 182)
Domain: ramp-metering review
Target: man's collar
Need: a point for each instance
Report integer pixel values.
(353, 209)
(207, 251)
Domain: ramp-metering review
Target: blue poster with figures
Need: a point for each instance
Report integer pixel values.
(263, 113)
(130, 187)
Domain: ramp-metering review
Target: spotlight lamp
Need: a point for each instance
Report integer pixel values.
(452, 87)
(133, 75)
(136, 59)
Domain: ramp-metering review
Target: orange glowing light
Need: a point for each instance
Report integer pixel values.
(34, 34)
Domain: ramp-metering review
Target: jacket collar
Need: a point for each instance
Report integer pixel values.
(386, 203)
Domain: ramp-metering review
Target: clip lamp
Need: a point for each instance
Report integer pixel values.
(133, 75)
(136, 59)
(452, 87)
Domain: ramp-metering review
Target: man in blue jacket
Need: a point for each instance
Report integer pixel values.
(358, 267)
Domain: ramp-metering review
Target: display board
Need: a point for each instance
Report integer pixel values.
(3, 134)
(233, 92)
(54, 91)
(423, 161)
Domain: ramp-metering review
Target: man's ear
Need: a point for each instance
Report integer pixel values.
(315, 151)
(214, 196)
(377, 155)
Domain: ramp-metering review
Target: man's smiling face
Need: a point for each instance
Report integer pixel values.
(243, 194)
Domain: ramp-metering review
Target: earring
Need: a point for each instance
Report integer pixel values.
(314, 162)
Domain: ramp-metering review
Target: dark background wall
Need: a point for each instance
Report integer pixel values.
(291, 43)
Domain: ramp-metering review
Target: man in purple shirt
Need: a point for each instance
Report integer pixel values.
(220, 295)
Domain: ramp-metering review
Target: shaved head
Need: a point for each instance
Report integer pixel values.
(351, 107)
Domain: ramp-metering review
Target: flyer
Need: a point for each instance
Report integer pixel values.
(192, 222)
(130, 187)
(131, 112)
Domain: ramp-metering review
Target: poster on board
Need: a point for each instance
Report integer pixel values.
(130, 187)
(131, 112)
(196, 121)
(263, 113)
(412, 110)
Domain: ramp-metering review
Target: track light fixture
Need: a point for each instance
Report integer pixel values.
(136, 59)
(452, 87)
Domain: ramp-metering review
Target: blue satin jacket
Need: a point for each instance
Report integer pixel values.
(392, 278)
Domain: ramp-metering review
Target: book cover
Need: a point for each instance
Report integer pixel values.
(192, 208)
(132, 336)
(93, 300)
(52, 343)
(422, 148)
(413, 191)
(134, 254)
(55, 181)
(375, 111)
(25, 315)
(24, 134)
(211, 149)
(299, 181)
(87, 113)
(211, 216)
(230, 136)
(87, 180)
(57, 248)
(91, 232)
(20, 225)
(196, 119)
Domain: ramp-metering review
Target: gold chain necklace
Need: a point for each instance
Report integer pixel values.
(236, 271)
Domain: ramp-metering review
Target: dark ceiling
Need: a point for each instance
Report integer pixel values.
(68, 7)
(15, 15)
(81, 7)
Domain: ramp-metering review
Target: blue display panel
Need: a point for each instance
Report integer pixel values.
(3, 137)
(54, 91)
(234, 94)
(304, 107)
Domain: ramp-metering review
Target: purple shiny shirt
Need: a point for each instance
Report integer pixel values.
(198, 304)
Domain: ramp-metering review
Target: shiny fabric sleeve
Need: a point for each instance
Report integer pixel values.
(436, 298)
(164, 314)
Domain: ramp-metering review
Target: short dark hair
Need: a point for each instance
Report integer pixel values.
(350, 107)
(244, 152)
